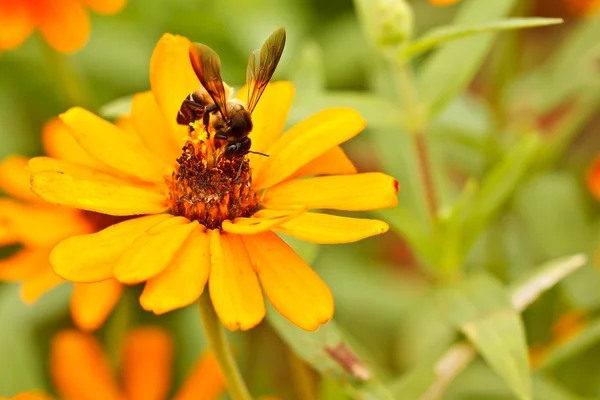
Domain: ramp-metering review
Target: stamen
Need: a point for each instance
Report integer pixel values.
(209, 188)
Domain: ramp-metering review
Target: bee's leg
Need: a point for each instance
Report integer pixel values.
(206, 117)
(189, 111)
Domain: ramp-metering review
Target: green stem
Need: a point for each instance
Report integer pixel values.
(221, 349)
(70, 81)
(416, 125)
(304, 383)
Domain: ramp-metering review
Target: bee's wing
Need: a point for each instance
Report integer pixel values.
(207, 66)
(262, 64)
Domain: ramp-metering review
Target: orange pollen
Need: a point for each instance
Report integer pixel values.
(209, 188)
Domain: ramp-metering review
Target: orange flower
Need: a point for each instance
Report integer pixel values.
(80, 369)
(567, 327)
(65, 24)
(442, 2)
(27, 220)
(593, 177)
(208, 218)
(583, 7)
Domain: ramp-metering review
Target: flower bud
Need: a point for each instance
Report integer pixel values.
(393, 22)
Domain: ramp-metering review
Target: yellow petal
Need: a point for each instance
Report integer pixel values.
(36, 225)
(153, 129)
(7, 235)
(172, 78)
(332, 162)
(92, 303)
(80, 171)
(65, 24)
(359, 192)
(269, 117)
(90, 258)
(327, 229)
(153, 250)
(17, 23)
(106, 6)
(103, 197)
(261, 221)
(205, 381)
(306, 141)
(24, 264)
(59, 143)
(234, 288)
(147, 359)
(14, 179)
(183, 281)
(38, 284)
(293, 288)
(79, 368)
(117, 148)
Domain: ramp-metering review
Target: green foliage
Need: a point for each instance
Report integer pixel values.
(487, 126)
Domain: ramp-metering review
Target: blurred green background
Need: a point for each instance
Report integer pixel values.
(510, 123)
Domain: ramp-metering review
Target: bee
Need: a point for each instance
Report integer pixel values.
(229, 119)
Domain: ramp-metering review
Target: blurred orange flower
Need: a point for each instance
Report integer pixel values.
(593, 177)
(27, 220)
(65, 24)
(80, 369)
(207, 218)
(583, 7)
(442, 2)
(567, 327)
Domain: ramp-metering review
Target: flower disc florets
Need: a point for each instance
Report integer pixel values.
(209, 188)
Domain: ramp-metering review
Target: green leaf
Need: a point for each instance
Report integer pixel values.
(378, 112)
(480, 308)
(429, 380)
(498, 185)
(312, 348)
(553, 210)
(450, 69)
(309, 72)
(476, 208)
(444, 34)
(526, 290)
(569, 71)
(24, 367)
(431, 377)
(480, 382)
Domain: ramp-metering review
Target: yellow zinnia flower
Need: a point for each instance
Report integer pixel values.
(27, 220)
(80, 369)
(207, 218)
(65, 24)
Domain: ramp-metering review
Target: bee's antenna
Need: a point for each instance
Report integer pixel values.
(257, 152)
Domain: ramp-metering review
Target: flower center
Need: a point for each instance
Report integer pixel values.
(209, 188)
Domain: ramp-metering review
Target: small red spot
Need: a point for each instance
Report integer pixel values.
(396, 186)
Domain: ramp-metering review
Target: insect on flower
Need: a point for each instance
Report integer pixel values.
(229, 119)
